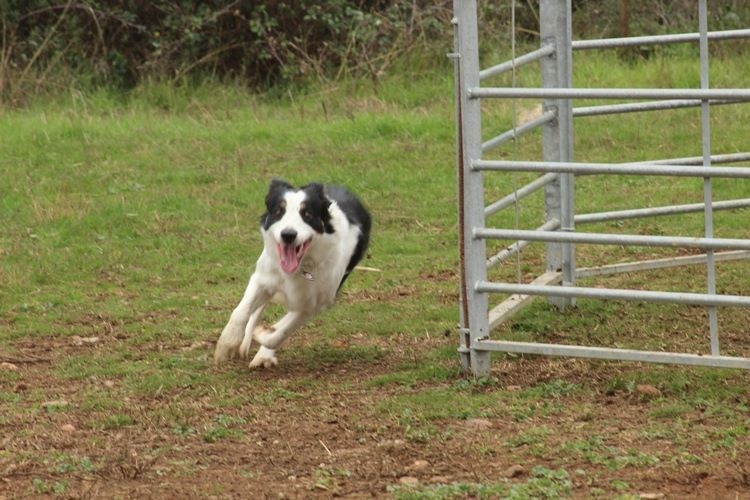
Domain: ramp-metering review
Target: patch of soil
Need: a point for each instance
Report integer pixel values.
(302, 431)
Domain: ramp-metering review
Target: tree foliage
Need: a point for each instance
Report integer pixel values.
(266, 42)
(262, 42)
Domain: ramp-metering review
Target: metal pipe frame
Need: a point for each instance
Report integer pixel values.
(473, 252)
(652, 264)
(695, 160)
(611, 168)
(518, 131)
(519, 194)
(636, 107)
(559, 169)
(543, 180)
(605, 43)
(516, 63)
(519, 245)
(555, 29)
(656, 211)
(613, 239)
(686, 298)
(613, 354)
(708, 214)
(593, 93)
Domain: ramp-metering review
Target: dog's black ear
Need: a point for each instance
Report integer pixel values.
(317, 190)
(320, 204)
(274, 205)
(275, 191)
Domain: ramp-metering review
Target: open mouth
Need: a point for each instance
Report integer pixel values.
(291, 255)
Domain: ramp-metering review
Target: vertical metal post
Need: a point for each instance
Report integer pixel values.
(713, 321)
(473, 253)
(555, 18)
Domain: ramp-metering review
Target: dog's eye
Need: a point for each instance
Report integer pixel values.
(307, 214)
(279, 211)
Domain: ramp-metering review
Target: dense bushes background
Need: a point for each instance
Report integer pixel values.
(50, 43)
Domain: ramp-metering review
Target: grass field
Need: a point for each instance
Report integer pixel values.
(128, 228)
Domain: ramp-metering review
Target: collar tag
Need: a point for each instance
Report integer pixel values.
(307, 275)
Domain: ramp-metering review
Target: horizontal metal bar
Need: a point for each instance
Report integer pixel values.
(520, 194)
(696, 160)
(519, 245)
(585, 93)
(695, 299)
(518, 131)
(532, 56)
(510, 306)
(635, 107)
(611, 168)
(648, 265)
(611, 354)
(655, 211)
(613, 239)
(657, 39)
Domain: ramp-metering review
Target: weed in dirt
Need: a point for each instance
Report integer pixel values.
(670, 411)
(223, 427)
(116, 421)
(532, 436)
(43, 487)
(543, 483)
(594, 450)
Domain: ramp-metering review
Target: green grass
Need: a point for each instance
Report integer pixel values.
(133, 218)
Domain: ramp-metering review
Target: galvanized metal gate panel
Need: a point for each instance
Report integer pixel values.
(559, 171)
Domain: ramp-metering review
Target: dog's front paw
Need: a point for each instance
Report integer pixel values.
(264, 358)
(224, 352)
(229, 341)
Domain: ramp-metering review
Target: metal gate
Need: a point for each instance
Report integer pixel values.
(558, 173)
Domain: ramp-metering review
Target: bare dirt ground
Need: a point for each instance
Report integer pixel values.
(323, 433)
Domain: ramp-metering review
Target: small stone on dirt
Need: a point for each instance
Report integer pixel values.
(513, 471)
(68, 428)
(84, 340)
(651, 496)
(58, 403)
(648, 390)
(201, 344)
(8, 367)
(392, 443)
(418, 465)
(439, 480)
(513, 388)
(478, 423)
(409, 481)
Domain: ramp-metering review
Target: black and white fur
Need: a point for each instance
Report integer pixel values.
(312, 239)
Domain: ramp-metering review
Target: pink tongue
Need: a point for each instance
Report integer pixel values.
(288, 256)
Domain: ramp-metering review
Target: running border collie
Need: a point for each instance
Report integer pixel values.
(313, 237)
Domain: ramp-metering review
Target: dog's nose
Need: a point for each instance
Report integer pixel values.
(288, 236)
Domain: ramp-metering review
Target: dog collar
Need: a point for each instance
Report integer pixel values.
(307, 275)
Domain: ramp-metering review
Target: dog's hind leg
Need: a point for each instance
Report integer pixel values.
(234, 332)
(247, 341)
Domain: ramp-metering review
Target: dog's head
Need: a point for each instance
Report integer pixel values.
(294, 218)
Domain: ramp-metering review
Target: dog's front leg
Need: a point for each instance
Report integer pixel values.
(271, 339)
(231, 337)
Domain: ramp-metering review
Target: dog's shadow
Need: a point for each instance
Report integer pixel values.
(318, 360)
